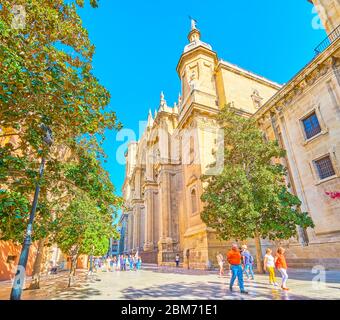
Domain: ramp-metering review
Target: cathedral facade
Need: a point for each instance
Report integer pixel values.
(162, 188)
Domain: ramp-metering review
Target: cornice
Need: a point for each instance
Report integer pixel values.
(247, 74)
(137, 201)
(317, 68)
(194, 52)
(148, 183)
(199, 108)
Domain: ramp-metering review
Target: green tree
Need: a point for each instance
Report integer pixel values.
(46, 76)
(249, 199)
(81, 174)
(45, 71)
(83, 228)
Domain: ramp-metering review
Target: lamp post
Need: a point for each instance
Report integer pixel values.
(91, 261)
(21, 269)
(111, 241)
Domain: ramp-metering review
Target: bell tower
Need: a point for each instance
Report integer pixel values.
(198, 106)
(196, 69)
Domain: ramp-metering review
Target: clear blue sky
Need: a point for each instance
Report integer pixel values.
(138, 44)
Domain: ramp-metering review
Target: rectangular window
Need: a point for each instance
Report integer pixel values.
(11, 259)
(311, 125)
(324, 167)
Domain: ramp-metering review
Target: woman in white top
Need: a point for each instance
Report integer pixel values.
(269, 265)
(220, 263)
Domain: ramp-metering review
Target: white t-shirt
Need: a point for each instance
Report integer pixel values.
(270, 260)
(219, 259)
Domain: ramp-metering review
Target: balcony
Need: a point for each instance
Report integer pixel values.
(332, 37)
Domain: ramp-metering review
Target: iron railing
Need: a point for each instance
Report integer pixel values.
(335, 34)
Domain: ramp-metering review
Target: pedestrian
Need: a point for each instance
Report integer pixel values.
(114, 261)
(234, 258)
(281, 265)
(121, 262)
(130, 262)
(248, 262)
(112, 265)
(125, 262)
(220, 261)
(269, 265)
(96, 264)
(139, 263)
(135, 261)
(118, 263)
(108, 263)
(177, 260)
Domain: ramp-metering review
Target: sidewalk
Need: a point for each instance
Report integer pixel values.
(49, 285)
(173, 283)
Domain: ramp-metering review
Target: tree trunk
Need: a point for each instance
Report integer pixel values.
(259, 260)
(35, 283)
(72, 270)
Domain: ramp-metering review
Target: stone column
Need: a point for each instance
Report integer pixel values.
(165, 205)
(141, 227)
(148, 219)
(130, 231)
(149, 216)
(126, 234)
(135, 228)
(165, 244)
(139, 218)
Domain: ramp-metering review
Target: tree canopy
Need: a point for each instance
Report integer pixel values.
(46, 77)
(250, 198)
(84, 228)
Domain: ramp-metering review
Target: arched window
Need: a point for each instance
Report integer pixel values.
(193, 201)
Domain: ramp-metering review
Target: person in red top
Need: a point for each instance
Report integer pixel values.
(281, 265)
(234, 259)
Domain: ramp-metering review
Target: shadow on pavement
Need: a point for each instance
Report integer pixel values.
(76, 293)
(202, 290)
(332, 276)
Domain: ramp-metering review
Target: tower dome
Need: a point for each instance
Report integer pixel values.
(194, 38)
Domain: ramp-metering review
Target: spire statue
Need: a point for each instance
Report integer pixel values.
(193, 23)
(194, 34)
(150, 119)
(163, 101)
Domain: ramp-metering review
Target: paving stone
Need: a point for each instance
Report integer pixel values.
(171, 283)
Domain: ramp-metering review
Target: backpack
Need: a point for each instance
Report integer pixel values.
(251, 259)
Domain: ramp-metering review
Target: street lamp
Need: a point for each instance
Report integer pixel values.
(21, 269)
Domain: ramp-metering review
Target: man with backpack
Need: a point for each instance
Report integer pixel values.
(248, 262)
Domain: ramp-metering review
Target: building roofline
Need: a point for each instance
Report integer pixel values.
(234, 67)
(298, 77)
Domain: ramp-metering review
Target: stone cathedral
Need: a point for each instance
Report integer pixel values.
(162, 188)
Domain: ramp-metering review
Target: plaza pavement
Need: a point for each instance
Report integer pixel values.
(170, 283)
